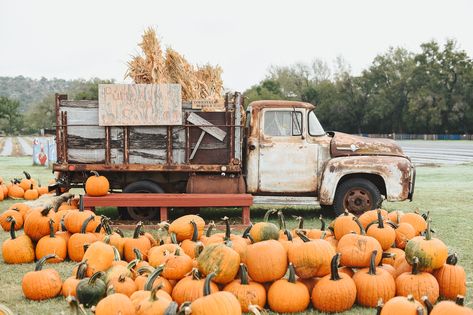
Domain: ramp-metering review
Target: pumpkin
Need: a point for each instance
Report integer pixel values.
(116, 303)
(288, 241)
(191, 287)
(221, 260)
(50, 244)
(371, 216)
(15, 192)
(266, 261)
(99, 257)
(192, 247)
(356, 249)
(382, 232)
(403, 267)
(265, 230)
(335, 292)
(389, 268)
(91, 290)
(183, 228)
(74, 220)
(26, 182)
(450, 307)
(42, 190)
(96, 185)
(345, 224)
(214, 303)
(311, 258)
(138, 241)
(397, 257)
(432, 252)
(157, 254)
(177, 265)
(4, 310)
(417, 283)
(402, 305)
(124, 285)
(31, 193)
(75, 245)
(139, 259)
(62, 231)
(316, 233)
(373, 284)
(288, 295)
(13, 213)
(246, 291)
(37, 223)
(395, 216)
(451, 278)
(23, 208)
(154, 279)
(69, 287)
(117, 270)
(404, 232)
(41, 284)
(17, 250)
(416, 220)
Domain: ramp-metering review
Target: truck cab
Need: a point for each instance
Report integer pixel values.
(289, 153)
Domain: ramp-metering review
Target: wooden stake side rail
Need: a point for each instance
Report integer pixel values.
(165, 201)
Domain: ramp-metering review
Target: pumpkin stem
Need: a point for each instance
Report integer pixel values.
(63, 225)
(243, 274)
(46, 210)
(300, 221)
(152, 277)
(81, 269)
(288, 234)
(171, 309)
(372, 269)
(266, 215)
(303, 237)
(362, 230)
(40, 263)
(95, 276)
(379, 307)
(246, 233)
(199, 247)
(81, 203)
(83, 228)
(110, 289)
(99, 227)
(386, 255)
(398, 217)
(95, 173)
(136, 233)
(12, 226)
(380, 220)
(281, 220)
(51, 228)
(227, 228)
(195, 231)
(86, 246)
(292, 273)
(119, 232)
(415, 266)
(334, 275)
(428, 233)
(460, 300)
(27, 175)
(420, 311)
(427, 303)
(174, 238)
(145, 269)
(254, 309)
(195, 274)
(209, 229)
(452, 259)
(322, 227)
(209, 277)
(116, 254)
(138, 254)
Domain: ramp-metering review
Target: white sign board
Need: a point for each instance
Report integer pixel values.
(140, 104)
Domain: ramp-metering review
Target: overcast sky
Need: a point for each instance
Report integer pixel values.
(84, 39)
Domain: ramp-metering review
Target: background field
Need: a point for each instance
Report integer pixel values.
(445, 191)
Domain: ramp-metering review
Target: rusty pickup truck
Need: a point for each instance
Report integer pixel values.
(269, 148)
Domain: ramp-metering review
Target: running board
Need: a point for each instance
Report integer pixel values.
(285, 201)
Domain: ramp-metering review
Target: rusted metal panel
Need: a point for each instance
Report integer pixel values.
(213, 184)
(347, 145)
(212, 168)
(395, 171)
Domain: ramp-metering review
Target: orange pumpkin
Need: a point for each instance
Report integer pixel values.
(221, 260)
(17, 250)
(184, 229)
(41, 284)
(50, 244)
(13, 213)
(266, 261)
(69, 287)
(382, 232)
(97, 185)
(191, 287)
(37, 223)
(75, 245)
(451, 278)
(31, 193)
(345, 224)
(402, 305)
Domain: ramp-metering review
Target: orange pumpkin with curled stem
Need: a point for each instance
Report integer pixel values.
(191, 287)
(382, 232)
(14, 214)
(50, 244)
(184, 229)
(17, 250)
(335, 292)
(31, 193)
(263, 231)
(344, 224)
(451, 278)
(75, 245)
(74, 219)
(99, 257)
(137, 241)
(37, 223)
(220, 259)
(26, 182)
(177, 265)
(97, 185)
(41, 284)
(371, 216)
(115, 303)
(124, 285)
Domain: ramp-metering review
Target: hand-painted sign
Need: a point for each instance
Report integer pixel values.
(140, 104)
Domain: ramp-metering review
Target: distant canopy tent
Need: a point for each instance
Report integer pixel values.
(198, 82)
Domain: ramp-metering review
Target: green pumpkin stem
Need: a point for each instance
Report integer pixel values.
(81, 270)
(415, 265)
(40, 263)
(174, 238)
(428, 233)
(195, 231)
(227, 228)
(362, 230)
(209, 277)
(379, 306)
(372, 269)
(266, 215)
(322, 227)
(116, 254)
(300, 221)
(119, 232)
(427, 303)
(281, 220)
(51, 228)
(63, 225)
(83, 228)
(196, 274)
(292, 274)
(303, 237)
(460, 300)
(244, 274)
(380, 220)
(136, 233)
(12, 226)
(420, 311)
(81, 203)
(138, 254)
(452, 259)
(99, 227)
(86, 246)
(95, 276)
(199, 247)
(334, 275)
(288, 234)
(209, 229)
(246, 233)
(95, 173)
(46, 210)
(152, 277)
(27, 175)
(172, 309)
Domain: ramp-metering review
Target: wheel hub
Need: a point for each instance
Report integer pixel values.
(357, 201)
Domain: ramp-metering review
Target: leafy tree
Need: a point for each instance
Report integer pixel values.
(89, 90)
(42, 115)
(10, 117)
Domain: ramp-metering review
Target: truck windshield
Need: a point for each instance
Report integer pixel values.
(315, 128)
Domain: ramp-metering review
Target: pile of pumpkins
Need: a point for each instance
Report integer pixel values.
(389, 261)
(22, 188)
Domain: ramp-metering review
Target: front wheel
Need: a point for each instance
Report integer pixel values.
(143, 213)
(357, 195)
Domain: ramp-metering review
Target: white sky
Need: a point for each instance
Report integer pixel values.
(84, 39)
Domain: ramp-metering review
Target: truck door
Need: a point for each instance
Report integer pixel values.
(287, 162)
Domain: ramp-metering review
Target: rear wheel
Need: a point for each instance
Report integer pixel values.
(357, 195)
(136, 213)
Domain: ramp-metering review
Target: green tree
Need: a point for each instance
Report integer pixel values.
(10, 117)
(41, 115)
(89, 89)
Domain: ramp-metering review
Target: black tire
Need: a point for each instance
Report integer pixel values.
(140, 214)
(357, 195)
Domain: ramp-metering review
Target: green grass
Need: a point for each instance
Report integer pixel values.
(444, 191)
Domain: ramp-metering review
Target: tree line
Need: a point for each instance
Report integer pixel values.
(430, 91)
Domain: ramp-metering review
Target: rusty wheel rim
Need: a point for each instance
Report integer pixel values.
(357, 201)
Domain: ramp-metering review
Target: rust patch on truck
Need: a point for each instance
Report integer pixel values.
(347, 145)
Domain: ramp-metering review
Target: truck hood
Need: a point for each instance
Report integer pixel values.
(343, 144)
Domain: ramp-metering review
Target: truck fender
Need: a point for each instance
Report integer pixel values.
(394, 170)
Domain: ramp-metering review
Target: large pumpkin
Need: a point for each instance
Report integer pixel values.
(17, 250)
(184, 229)
(451, 278)
(41, 284)
(97, 185)
(266, 261)
(99, 257)
(50, 244)
(37, 223)
(220, 260)
(450, 307)
(346, 224)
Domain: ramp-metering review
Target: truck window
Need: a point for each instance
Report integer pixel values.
(315, 128)
(282, 123)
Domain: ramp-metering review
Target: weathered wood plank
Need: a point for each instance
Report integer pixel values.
(214, 131)
(81, 103)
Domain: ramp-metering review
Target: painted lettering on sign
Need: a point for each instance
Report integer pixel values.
(140, 104)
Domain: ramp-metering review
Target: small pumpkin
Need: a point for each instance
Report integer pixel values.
(138, 241)
(14, 213)
(345, 224)
(177, 265)
(91, 290)
(17, 250)
(41, 284)
(97, 185)
(416, 220)
(265, 230)
(31, 193)
(99, 257)
(451, 278)
(74, 219)
(15, 192)
(26, 182)
(37, 223)
(404, 232)
(450, 307)
(192, 247)
(50, 244)
(124, 285)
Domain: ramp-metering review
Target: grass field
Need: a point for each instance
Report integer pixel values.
(445, 191)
